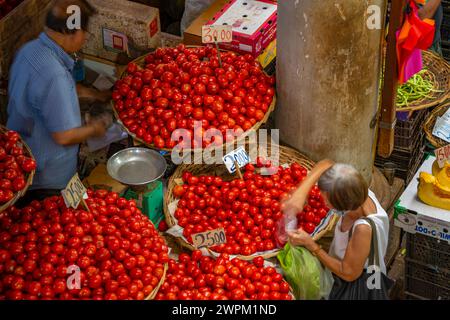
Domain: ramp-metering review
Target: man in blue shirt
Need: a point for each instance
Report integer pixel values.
(43, 104)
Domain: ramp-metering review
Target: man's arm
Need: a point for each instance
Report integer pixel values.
(86, 93)
(59, 110)
(429, 9)
(79, 135)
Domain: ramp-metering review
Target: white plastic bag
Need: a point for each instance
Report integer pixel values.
(193, 9)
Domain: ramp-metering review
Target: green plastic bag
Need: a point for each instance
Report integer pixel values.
(304, 272)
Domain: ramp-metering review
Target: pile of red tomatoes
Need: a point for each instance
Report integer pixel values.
(181, 85)
(15, 165)
(199, 277)
(119, 253)
(247, 209)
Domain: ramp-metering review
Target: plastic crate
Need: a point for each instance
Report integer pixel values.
(407, 128)
(427, 281)
(428, 250)
(406, 147)
(446, 53)
(408, 144)
(404, 159)
(406, 166)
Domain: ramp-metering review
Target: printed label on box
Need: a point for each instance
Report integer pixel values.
(245, 47)
(154, 27)
(115, 41)
(416, 223)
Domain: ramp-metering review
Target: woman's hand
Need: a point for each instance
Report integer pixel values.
(291, 206)
(302, 238)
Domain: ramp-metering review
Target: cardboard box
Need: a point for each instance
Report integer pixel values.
(193, 34)
(100, 179)
(268, 58)
(122, 30)
(254, 25)
(414, 216)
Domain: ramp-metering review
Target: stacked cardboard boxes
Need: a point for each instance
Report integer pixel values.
(122, 30)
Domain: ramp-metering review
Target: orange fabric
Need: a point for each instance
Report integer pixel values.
(414, 34)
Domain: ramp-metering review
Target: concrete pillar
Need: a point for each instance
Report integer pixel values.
(328, 68)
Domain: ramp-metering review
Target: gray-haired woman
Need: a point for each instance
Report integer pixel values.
(344, 190)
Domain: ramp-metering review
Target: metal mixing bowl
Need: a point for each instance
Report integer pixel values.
(136, 166)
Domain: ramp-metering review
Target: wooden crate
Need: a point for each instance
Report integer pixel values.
(21, 25)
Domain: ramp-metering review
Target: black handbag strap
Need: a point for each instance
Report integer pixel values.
(374, 257)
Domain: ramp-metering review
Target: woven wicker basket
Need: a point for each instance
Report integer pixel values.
(161, 281)
(438, 72)
(430, 121)
(141, 62)
(286, 156)
(29, 176)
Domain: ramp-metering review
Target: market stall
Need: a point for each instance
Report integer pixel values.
(186, 193)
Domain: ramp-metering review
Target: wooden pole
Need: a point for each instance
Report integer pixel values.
(218, 51)
(389, 95)
(238, 170)
(85, 204)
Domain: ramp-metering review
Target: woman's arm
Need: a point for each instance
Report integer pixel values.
(352, 266)
(298, 199)
(429, 9)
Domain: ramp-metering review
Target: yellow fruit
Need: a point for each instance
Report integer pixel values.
(434, 189)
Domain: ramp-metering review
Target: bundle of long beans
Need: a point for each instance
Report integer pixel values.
(417, 87)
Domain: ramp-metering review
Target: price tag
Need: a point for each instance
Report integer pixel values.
(220, 33)
(442, 155)
(74, 193)
(209, 238)
(240, 156)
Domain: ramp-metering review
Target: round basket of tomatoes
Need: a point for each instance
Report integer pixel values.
(173, 88)
(17, 168)
(51, 252)
(249, 210)
(198, 277)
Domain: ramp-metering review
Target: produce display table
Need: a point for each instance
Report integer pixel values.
(414, 216)
(428, 243)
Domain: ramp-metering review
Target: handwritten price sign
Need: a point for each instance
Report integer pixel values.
(238, 156)
(211, 34)
(442, 155)
(209, 238)
(74, 193)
